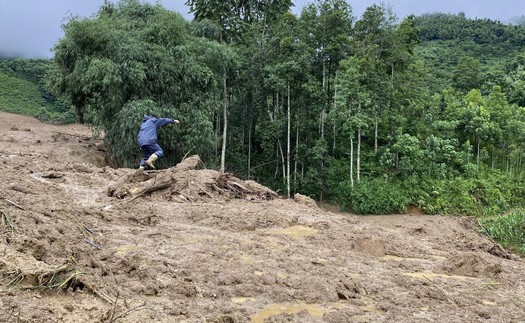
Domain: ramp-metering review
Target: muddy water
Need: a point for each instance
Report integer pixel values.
(295, 232)
(431, 276)
(315, 310)
(397, 258)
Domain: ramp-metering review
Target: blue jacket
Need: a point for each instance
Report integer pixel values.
(148, 129)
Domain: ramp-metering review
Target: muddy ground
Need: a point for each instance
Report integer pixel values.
(83, 242)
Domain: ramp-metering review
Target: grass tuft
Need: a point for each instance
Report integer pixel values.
(508, 229)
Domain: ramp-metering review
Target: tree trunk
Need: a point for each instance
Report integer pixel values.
(358, 165)
(392, 97)
(280, 147)
(376, 133)
(277, 158)
(225, 129)
(288, 148)
(352, 162)
(277, 103)
(324, 103)
(250, 148)
(334, 109)
(79, 114)
(139, 183)
(477, 156)
(217, 131)
(296, 157)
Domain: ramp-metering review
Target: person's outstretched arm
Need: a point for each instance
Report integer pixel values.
(164, 121)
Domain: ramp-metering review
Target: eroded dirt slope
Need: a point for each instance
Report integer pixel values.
(82, 242)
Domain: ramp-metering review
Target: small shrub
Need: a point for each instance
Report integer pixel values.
(508, 229)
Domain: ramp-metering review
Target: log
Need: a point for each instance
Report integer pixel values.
(151, 185)
(120, 188)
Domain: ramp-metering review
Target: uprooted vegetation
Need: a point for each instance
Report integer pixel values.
(82, 242)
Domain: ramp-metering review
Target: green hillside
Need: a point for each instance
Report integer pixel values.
(22, 91)
(19, 96)
(487, 50)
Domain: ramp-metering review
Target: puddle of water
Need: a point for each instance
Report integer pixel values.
(314, 310)
(370, 308)
(84, 195)
(367, 307)
(439, 257)
(196, 239)
(246, 259)
(124, 250)
(274, 247)
(353, 275)
(397, 258)
(430, 276)
(296, 231)
(240, 300)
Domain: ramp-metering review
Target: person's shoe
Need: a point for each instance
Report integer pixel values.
(141, 167)
(151, 160)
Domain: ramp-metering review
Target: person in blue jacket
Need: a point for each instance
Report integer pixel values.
(147, 139)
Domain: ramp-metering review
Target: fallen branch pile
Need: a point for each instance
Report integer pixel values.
(226, 184)
(186, 184)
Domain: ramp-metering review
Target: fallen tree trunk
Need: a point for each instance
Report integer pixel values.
(151, 185)
(139, 183)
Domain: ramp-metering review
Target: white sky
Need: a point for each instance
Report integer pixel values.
(30, 28)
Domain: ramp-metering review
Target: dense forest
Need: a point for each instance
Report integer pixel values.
(372, 113)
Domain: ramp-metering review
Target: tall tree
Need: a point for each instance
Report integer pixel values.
(373, 39)
(327, 26)
(477, 119)
(467, 74)
(234, 16)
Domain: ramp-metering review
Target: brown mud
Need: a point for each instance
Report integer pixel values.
(82, 242)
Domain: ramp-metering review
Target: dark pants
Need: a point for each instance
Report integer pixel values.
(148, 150)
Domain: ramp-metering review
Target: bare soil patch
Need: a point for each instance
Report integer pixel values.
(82, 242)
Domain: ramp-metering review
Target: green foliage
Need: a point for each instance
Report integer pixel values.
(509, 229)
(441, 26)
(468, 51)
(114, 66)
(314, 183)
(483, 196)
(467, 74)
(374, 196)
